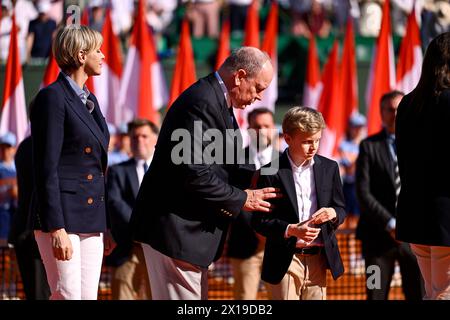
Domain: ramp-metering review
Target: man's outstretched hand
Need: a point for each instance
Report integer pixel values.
(256, 199)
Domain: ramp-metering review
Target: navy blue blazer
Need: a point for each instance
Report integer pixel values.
(279, 251)
(70, 148)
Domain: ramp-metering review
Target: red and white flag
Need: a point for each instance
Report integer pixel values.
(251, 39)
(143, 89)
(330, 105)
(107, 84)
(270, 46)
(313, 84)
(14, 111)
(85, 16)
(51, 71)
(348, 75)
(184, 74)
(410, 59)
(382, 72)
(223, 49)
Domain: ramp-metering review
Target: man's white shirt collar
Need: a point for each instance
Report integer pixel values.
(224, 89)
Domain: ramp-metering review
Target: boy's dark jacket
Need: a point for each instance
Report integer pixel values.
(279, 251)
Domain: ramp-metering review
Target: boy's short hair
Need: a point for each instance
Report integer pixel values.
(304, 119)
(70, 40)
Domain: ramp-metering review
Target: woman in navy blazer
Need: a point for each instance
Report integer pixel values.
(70, 143)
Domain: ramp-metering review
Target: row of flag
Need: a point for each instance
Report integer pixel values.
(334, 92)
(139, 90)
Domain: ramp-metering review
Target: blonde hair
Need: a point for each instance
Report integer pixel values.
(304, 119)
(70, 40)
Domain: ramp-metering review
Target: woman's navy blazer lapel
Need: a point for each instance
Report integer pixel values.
(82, 112)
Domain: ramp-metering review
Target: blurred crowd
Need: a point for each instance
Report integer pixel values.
(37, 20)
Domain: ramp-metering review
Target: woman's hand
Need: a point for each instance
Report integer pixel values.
(61, 244)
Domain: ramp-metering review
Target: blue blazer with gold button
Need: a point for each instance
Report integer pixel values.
(70, 148)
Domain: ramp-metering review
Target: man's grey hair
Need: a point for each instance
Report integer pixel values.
(249, 59)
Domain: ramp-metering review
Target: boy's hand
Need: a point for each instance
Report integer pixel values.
(323, 215)
(305, 231)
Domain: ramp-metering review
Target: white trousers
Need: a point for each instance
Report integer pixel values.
(173, 279)
(77, 278)
(434, 264)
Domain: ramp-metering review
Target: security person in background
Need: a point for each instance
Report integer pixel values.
(130, 279)
(377, 188)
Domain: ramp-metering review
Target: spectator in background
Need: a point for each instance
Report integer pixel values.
(25, 12)
(342, 11)
(97, 14)
(204, 16)
(238, 14)
(314, 21)
(348, 152)
(435, 20)
(32, 271)
(115, 155)
(130, 278)
(57, 10)
(400, 9)
(8, 184)
(5, 29)
(123, 140)
(159, 15)
(122, 16)
(245, 246)
(377, 187)
(422, 131)
(40, 32)
(370, 21)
